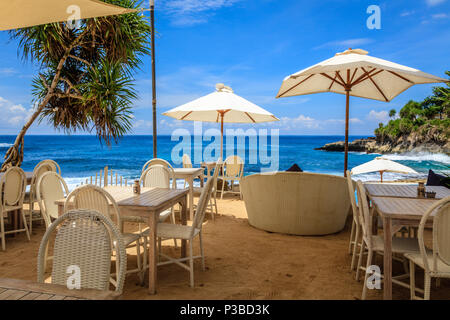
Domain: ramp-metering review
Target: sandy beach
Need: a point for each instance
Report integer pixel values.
(242, 263)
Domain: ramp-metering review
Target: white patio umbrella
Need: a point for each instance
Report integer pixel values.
(382, 165)
(16, 14)
(222, 106)
(354, 73)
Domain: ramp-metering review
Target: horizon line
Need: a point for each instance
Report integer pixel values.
(168, 135)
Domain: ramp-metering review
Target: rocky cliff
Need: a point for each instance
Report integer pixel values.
(432, 142)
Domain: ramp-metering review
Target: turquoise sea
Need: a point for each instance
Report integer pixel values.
(82, 156)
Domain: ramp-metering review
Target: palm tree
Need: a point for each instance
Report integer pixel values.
(86, 75)
(392, 113)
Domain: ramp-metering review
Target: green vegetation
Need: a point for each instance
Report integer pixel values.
(85, 81)
(432, 114)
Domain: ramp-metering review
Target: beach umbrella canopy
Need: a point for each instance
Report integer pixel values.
(221, 106)
(355, 73)
(16, 14)
(382, 165)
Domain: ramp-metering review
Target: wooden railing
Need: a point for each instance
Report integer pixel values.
(106, 178)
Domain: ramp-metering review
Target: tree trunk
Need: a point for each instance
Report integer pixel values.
(14, 155)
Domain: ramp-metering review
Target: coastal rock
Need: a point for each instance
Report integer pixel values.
(358, 145)
(416, 143)
(431, 140)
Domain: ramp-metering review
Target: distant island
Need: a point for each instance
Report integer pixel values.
(419, 127)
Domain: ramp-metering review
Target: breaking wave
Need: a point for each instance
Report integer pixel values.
(420, 156)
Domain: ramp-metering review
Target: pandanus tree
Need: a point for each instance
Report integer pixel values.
(85, 79)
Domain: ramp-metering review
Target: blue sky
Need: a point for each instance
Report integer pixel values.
(252, 45)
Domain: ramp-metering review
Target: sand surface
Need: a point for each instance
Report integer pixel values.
(242, 263)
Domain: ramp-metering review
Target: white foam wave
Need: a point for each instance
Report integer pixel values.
(5, 145)
(72, 183)
(388, 176)
(420, 156)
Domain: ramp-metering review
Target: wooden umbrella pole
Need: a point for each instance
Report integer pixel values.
(152, 22)
(347, 111)
(222, 114)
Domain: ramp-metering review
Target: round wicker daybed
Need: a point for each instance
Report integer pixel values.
(296, 203)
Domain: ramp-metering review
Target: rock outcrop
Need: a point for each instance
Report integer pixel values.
(413, 142)
(358, 145)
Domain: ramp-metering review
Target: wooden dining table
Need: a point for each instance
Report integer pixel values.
(398, 208)
(148, 204)
(15, 289)
(188, 175)
(403, 190)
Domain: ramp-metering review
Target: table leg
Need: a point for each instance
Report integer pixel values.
(387, 226)
(191, 198)
(183, 204)
(152, 253)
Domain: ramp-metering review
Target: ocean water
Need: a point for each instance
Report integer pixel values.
(83, 156)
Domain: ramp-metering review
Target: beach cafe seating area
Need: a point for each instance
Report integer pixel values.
(123, 235)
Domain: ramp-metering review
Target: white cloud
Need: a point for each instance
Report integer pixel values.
(345, 44)
(381, 116)
(13, 114)
(439, 16)
(194, 6)
(16, 120)
(351, 120)
(407, 13)
(303, 121)
(18, 108)
(432, 3)
(7, 71)
(139, 124)
(191, 12)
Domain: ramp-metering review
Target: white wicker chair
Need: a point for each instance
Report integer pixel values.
(84, 239)
(158, 176)
(355, 241)
(375, 243)
(49, 188)
(185, 232)
(12, 192)
(435, 262)
(232, 170)
(212, 204)
(31, 196)
(95, 198)
(155, 161)
(187, 163)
